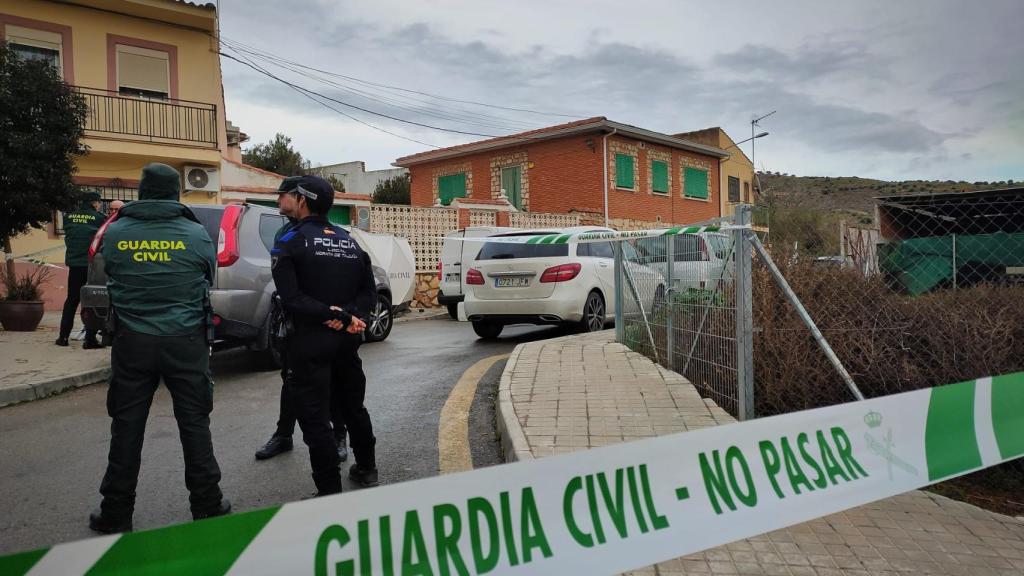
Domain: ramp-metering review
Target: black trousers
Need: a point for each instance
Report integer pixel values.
(138, 362)
(287, 418)
(77, 276)
(322, 364)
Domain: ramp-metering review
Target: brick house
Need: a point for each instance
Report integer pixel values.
(598, 168)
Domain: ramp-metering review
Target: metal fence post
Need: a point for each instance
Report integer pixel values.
(620, 328)
(744, 314)
(670, 256)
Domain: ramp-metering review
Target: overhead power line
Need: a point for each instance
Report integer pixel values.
(459, 116)
(353, 106)
(398, 88)
(309, 94)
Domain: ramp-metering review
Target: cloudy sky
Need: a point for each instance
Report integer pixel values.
(925, 89)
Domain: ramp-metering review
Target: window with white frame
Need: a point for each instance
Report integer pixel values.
(32, 44)
(143, 72)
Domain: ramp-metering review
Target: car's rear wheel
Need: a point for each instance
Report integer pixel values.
(453, 311)
(487, 330)
(593, 313)
(381, 320)
(274, 339)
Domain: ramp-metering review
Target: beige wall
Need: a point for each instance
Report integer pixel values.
(87, 28)
(738, 166)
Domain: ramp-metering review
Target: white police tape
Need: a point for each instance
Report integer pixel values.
(600, 511)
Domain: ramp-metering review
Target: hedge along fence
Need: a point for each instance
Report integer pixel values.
(888, 342)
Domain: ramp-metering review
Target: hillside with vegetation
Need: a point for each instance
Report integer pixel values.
(853, 193)
(805, 211)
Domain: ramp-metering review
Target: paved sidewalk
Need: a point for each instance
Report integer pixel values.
(33, 367)
(579, 392)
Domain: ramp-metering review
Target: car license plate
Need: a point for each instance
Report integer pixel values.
(511, 282)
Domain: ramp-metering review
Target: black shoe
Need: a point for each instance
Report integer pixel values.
(222, 509)
(61, 341)
(342, 449)
(91, 344)
(276, 445)
(105, 524)
(365, 477)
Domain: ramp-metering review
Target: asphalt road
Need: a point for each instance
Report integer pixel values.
(53, 451)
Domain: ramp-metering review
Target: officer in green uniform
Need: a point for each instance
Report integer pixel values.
(160, 264)
(79, 228)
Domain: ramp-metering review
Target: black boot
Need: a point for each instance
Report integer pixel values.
(276, 445)
(363, 476)
(61, 341)
(327, 484)
(223, 508)
(109, 523)
(91, 344)
(342, 448)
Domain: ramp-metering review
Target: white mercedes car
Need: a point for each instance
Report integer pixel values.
(570, 284)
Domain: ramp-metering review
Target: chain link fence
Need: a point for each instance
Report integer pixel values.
(930, 291)
(927, 291)
(679, 307)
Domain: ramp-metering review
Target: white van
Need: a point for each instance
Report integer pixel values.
(456, 257)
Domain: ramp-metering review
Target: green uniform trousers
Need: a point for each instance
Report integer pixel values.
(138, 362)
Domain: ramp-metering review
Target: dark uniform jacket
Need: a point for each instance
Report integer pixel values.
(318, 265)
(79, 228)
(160, 265)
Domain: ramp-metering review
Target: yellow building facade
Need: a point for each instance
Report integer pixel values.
(737, 172)
(150, 73)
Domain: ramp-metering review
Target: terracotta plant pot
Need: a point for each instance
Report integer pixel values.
(16, 316)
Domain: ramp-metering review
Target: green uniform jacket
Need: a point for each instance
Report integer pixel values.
(79, 228)
(160, 265)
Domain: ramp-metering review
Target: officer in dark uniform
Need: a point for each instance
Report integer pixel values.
(326, 283)
(281, 441)
(79, 228)
(160, 264)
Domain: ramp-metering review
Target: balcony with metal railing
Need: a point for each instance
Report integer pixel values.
(149, 119)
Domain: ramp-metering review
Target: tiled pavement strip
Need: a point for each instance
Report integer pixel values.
(579, 392)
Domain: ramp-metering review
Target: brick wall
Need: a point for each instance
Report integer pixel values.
(564, 175)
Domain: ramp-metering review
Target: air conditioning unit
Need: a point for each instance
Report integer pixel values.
(202, 179)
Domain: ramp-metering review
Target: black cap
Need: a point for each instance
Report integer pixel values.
(91, 196)
(318, 192)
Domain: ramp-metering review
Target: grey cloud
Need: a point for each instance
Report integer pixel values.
(639, 85)
(810, 61)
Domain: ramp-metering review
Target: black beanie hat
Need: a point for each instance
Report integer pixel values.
(159, 182)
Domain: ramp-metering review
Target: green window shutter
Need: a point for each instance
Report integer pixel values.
(624, 171)
(659, 176)
(451, 187)
(696, 183)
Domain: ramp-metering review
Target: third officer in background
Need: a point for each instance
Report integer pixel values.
(326, 284)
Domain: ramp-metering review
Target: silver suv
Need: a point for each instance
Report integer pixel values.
(242, 298)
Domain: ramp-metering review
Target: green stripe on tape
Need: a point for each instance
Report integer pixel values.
(951, 445)
(547, 239)
(673, 231)
(203, 548)
(534, 239)
(19, 564)
(1008, 414)
(563, 239)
